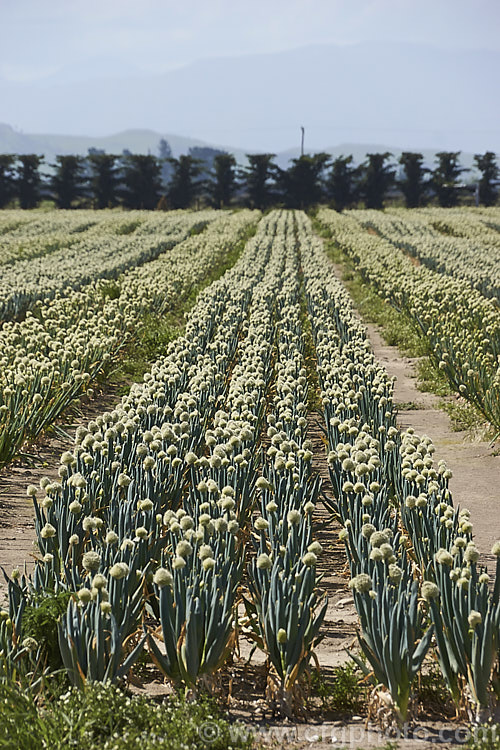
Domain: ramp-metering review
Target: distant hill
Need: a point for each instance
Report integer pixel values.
(136, 141)
(359, 151)
(146, 141)
(408, 95)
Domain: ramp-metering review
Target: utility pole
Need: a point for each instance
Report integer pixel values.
(302, 141)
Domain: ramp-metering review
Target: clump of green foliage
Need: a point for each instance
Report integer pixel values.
(103, 717)
(342, 692)
(128, 227)
(110, 288)
(156, 333)
(198, 228)
(430, 379)
(465, 416)
(485, 738)
(40, 622)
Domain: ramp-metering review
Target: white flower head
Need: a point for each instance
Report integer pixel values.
(378, 538)
(361, 583)
(443, 557)
(48, 531)
(162, 577)
(183, 549)
(99, 582)
(145, 505)
(264, 562)
(84, 595)
(281, 636)
(395, 573)
(315, 547)
(293, 517)
(91, 560)
(475, 618)
(495, 550)
(261, 524)
(205, 551)
(310, 559)
(429, 591)
(111, 538)
(471, 554)
(119, 570)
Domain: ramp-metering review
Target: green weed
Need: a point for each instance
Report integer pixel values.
(343, 692)
(149, 345)
(109, 288)
(407, 406)
(128, 227)
(40, 622)
(198, 228)
(103, 717)
(485, 738)
(464, 416)
(430, 379)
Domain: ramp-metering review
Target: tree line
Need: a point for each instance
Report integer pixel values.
(207, 176)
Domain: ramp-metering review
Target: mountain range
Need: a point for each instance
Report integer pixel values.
(412, 96)
(146, 141)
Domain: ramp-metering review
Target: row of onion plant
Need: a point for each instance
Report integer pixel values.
(129, 530)
(445, 241)
(50, 358)
(33, 234)
(461, 326)
(413, 563)
(89, 256)
(285, 608)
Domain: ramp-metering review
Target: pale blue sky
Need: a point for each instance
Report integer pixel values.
(53, 53)
(76, 38)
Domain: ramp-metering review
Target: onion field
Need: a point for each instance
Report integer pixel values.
(189, 516)
(456, 311)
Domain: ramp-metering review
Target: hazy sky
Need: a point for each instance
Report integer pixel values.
(76, 38)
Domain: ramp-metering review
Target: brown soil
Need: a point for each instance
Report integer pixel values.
(40, 459)
(341, 618)
(475, 463)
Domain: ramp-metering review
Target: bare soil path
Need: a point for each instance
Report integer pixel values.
(341, 619)
(475, 463)
(17, 532)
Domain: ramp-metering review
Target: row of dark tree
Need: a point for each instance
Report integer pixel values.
(208, 176)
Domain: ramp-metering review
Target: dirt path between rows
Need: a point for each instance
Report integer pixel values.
(475, 463)
(17, 531)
